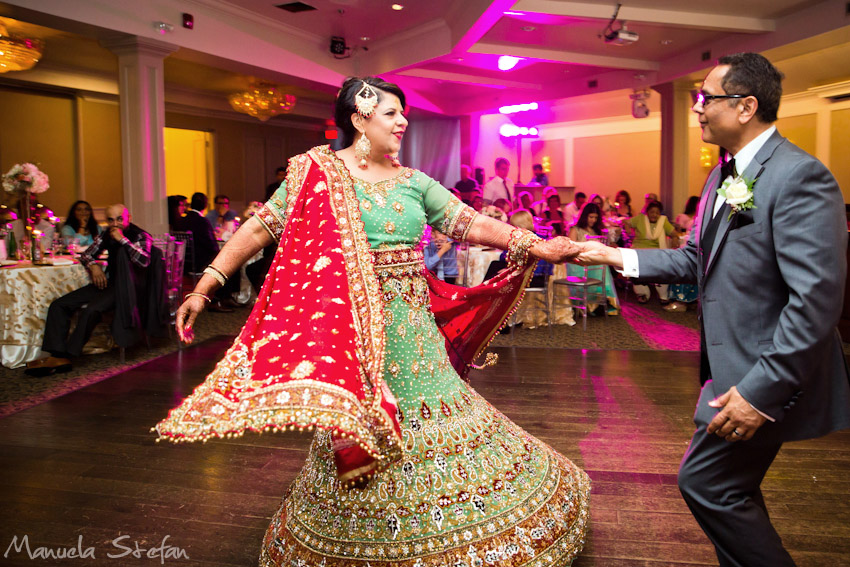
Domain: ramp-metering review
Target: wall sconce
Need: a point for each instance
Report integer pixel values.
(706, 157)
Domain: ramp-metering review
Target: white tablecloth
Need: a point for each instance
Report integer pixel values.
(479, 261)
(26, 292)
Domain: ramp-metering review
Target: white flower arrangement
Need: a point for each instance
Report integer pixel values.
(494, 212)
(25, 178)
(738, 192)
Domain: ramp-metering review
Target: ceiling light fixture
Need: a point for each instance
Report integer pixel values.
(507, 62)
(18, 53)
(398, 7)
(262, 101)
(511, 130)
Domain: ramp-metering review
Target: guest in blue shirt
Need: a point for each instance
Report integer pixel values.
(441, 257)
(80, 224)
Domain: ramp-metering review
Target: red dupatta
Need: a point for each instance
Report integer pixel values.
(311, 353)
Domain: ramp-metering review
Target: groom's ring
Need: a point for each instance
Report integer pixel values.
(735, 431)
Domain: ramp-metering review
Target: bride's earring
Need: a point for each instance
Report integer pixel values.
(362, 150)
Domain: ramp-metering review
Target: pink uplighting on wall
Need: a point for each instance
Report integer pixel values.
(508, 62)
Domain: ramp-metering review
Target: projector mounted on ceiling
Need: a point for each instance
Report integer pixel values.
(619, 36)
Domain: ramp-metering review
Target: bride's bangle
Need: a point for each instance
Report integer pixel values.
(197, 294)
(519, 244)
(216, 274)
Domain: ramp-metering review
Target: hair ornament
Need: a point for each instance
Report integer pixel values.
(366, 100)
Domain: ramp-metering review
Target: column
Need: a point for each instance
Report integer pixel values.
(675, 110)
(142, 106)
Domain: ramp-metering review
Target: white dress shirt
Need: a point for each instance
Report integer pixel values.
(495, 189)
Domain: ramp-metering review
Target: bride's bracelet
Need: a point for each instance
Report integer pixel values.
(216, 274)
(519, 244)
(197, 294)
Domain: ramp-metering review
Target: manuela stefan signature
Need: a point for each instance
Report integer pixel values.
(122, 547)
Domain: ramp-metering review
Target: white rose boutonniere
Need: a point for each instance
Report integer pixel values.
(738, 193)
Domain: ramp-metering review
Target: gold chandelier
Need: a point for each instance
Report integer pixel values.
(18, 53)
(262, 101)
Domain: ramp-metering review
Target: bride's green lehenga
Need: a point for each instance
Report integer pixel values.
(472, 488)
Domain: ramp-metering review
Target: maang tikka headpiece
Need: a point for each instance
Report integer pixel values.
(366, 100)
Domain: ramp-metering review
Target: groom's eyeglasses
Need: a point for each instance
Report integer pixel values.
(703, 99)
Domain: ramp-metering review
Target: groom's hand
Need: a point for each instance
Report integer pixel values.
(593, 253)
(737, 421)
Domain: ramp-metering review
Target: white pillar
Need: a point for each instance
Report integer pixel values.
(675, 110)
(142, 107)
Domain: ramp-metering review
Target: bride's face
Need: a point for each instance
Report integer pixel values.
(386, 126)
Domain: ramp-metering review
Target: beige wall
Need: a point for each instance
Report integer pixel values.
(800, 130)
(100, 153)
(246, 153)
(39, 128)
(839, 159)
(606, 164)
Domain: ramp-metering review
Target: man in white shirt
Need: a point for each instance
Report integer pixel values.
(772, 364)
(573, 210)
(499, 186)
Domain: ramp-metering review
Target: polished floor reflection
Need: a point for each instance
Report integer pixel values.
(83, 471)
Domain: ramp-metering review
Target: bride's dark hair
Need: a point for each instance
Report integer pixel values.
(344, 104)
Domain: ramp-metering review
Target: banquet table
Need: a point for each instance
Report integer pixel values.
(527, 313)
(479, 261)
(26, 292)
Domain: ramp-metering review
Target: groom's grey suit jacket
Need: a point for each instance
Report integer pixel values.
(771, 292)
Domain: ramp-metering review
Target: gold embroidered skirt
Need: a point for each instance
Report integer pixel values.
(472, 488)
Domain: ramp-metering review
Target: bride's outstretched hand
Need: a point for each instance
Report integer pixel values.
(557, 250)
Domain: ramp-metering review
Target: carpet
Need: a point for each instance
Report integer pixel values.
(19, 391)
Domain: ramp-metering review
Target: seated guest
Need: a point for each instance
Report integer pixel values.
(526, 202)
(467, 186)
(504, 205)
(124, 242)
(649, 198)
(681, 295)
(684, 221)
(80, 226)
(279, 177)
(220, 217)
(552, 213)
(441, 257)
(206, 248)
(651, 231)
(572, 210)
(590, 223)
(539, 178)
(623, 203)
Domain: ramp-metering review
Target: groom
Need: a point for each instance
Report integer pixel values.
(770, 265)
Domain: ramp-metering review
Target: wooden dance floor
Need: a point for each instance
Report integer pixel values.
(84, 471)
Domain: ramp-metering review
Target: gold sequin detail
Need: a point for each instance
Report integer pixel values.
(389, 227)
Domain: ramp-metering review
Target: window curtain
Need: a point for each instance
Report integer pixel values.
(432, 145)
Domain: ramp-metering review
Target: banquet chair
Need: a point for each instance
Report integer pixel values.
(174, 252)
(586, 289)
(535, 287)
(190, 265)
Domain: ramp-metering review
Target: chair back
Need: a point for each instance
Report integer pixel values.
(188, 239)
